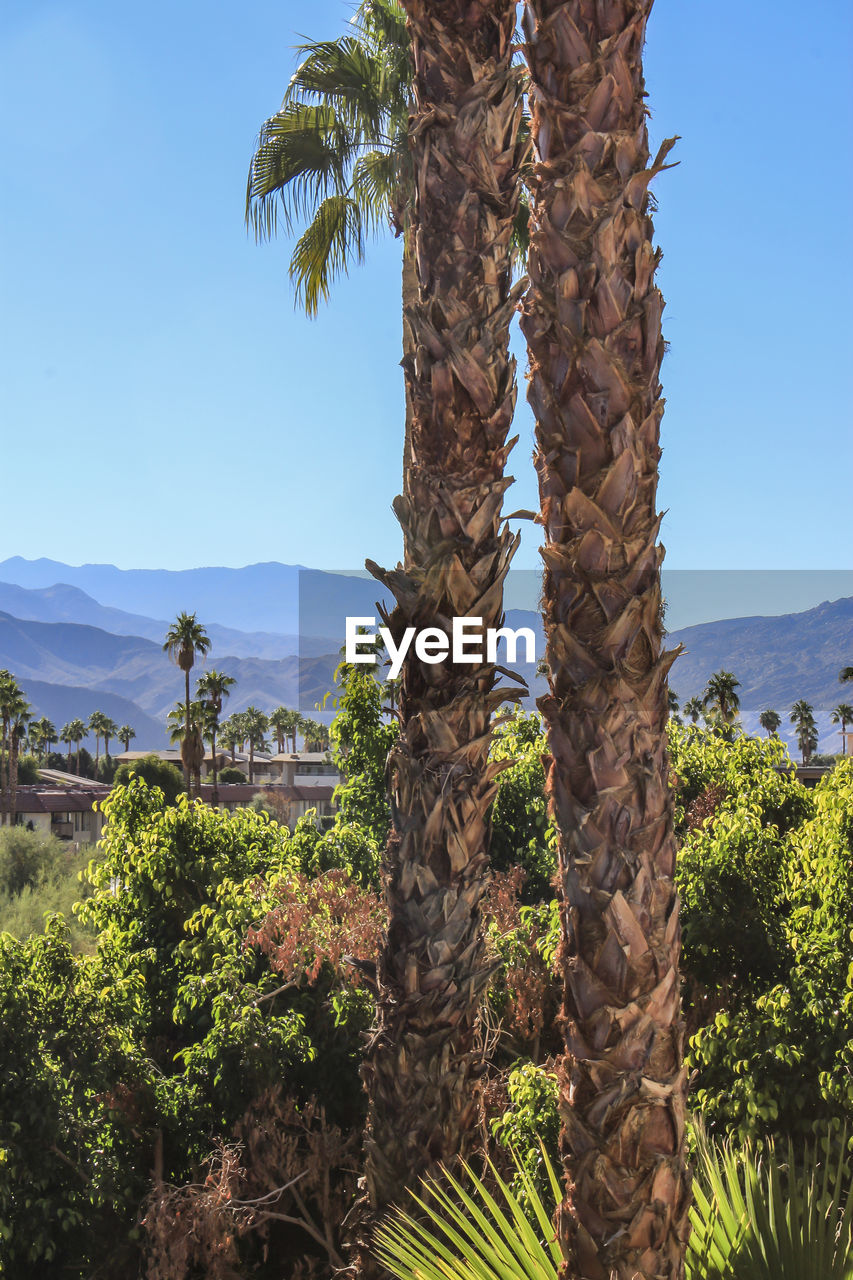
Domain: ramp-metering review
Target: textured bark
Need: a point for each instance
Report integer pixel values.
(592, 321)
(420, 1070)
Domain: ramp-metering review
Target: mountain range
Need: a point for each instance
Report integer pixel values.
(74, 653)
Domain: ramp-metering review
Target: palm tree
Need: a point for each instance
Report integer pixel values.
(672, 706)
(279, 723)
(77, 731)
(770, 721)
(316, 735)
(843, 715)
(693, 708)
(97, 724)
(229, 736)
(845, 675)
(802, 717)
(591, 317)
(14, 715)
(255, 724)
(109, 729)
(126, 735)
(420, 1069)
(185, 725)
(9, 693)
(212, 688)
(720, 696)
(336, 152)
(185, 638)
(42, 734)
(66, 735)
(17, 728)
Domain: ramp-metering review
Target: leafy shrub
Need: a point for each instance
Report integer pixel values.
(39, 876)
(231, 774)
(28, 771)
(156, 773)
(522, 833)
(766, 877)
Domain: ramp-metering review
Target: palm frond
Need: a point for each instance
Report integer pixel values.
(376, 182)
(759, 1217)
(302, 155)
(345, 74)
(333, 238)
(464, 1232)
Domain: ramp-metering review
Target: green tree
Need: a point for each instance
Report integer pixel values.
(802, 718)
(770, 721)
(125, 735)
(98, 722)
(843, 715)
(360, 741)
(255, 725)
(693, 709)
(845, 675)
(155, 773)
(591, 317)
(185, 639)
(212, 688)
(77, 732)
(720, 697)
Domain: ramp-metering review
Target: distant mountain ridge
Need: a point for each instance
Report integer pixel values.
(64, 603)
(59, 636)
(777, 661)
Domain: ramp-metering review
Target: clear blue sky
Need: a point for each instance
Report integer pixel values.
(164, 405)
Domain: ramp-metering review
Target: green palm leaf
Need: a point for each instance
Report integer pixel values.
(756, 1217)
(332, 239)
(464, 1232)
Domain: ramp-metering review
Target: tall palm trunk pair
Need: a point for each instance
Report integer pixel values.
(592, 320)
(591, 317)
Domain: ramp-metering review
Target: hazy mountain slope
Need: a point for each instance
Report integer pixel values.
(62, 653)
(64, 603)
(61, 703)
(261, 597)
(777, 660)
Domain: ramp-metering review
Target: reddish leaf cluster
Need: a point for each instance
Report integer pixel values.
(327, 919)
(705, 806)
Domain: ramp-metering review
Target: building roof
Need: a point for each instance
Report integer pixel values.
(57, 800)
(244, 792)
(303, 757)
(59, 778)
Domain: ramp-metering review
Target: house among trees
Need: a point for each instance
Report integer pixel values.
(63, 805)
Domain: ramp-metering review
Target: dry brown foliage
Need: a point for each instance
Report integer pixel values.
(287, 1175)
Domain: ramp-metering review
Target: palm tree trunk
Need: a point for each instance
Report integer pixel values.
(79, 740)
(213, 758)
(251, 760)
(592, 322)
(13, 777)
(187, 774)
(420, 1069)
